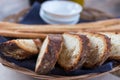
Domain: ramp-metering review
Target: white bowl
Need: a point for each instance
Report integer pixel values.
(57, 21)
(61, 11)
(68, 19)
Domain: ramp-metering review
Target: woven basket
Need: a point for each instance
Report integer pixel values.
(87, 14)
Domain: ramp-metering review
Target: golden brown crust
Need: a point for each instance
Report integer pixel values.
(81, 57)
(50, 55)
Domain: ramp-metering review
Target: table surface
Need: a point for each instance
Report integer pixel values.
(6, 73)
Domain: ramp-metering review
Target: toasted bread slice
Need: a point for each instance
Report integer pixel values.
(20, 48)
(75, 49)
(49, 54)
(115, 42)
(99, 49)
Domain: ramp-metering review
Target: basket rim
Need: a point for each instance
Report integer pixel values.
(51, 77)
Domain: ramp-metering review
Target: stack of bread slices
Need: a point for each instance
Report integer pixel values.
(70, 50)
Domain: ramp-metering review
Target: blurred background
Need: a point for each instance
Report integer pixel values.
(109, 6)
(9, 7)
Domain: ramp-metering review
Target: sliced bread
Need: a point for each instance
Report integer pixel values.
(49, 54)
(115, 42)
(20, 48)
(99, 49)
(75, 49)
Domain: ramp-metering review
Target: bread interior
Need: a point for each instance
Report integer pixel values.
(27, 44)
(42, 52)
(71, 50)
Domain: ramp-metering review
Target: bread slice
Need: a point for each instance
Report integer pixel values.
(49, 54)
(115, 42)
(75, 49)
(99, 49)
(20, 48)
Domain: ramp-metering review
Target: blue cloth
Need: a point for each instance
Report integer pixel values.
(33, 18)
(105, 67)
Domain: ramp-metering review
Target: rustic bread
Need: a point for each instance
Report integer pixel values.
(75, 49)
(49, 54)
(99, 49)
(20, 48)
(115, 42)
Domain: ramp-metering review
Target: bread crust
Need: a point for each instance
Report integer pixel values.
(51, 54)
(107, 49)
(95, 60)
(113, 56)
(12, 49)
(82, 54)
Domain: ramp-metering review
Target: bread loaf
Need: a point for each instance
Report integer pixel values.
(49, 54)
(20, 48)
(99, 49)
(75, 49)
(115, 42)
